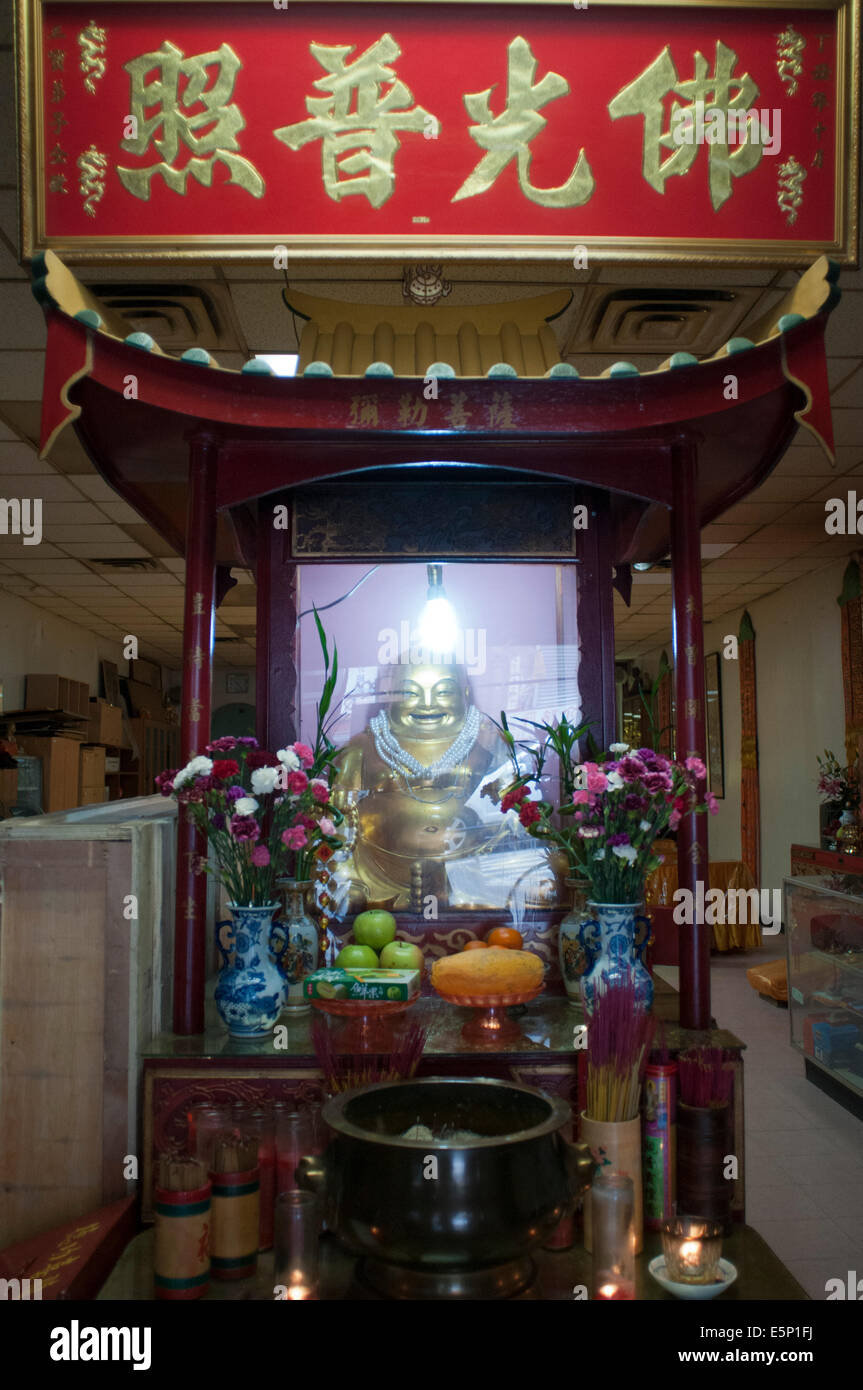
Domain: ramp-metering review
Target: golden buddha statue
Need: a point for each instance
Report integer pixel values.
(406, 782)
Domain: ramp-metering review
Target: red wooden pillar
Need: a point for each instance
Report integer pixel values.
(190, 940)
(692, 853)
(276, 651)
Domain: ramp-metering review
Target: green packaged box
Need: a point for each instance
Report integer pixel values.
(370, 983)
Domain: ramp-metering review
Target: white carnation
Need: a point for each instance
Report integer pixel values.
(627, 852)
(246, 806)
(615, 781)
(265, 779)
(618, 748)
(288, 758)
(644, 825)
(198, 767)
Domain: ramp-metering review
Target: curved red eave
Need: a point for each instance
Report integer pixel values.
(136, 410)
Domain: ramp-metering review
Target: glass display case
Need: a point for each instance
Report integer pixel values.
(824, 925)
(429, 657)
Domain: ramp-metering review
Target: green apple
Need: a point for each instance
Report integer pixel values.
(401, 955)
(374, 928)
(356, 958)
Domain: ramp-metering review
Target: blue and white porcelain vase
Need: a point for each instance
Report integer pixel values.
(573, 957)
(296, 943)
(614, 938)
(250, 990)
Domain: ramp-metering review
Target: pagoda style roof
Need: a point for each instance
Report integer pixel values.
(135, 407)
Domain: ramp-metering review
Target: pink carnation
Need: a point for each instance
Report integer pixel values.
(580, 798)
(327, 826)
(304, 753)
(596, 780)
(260, 856)
(297, 782)
(695, 765)
(295, 837)
(320, 790)
(674, 820)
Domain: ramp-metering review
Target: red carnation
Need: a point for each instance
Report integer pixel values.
(529, 813)
(225, 768)
(261, 758)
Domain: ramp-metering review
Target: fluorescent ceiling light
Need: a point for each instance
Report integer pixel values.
(282, 363)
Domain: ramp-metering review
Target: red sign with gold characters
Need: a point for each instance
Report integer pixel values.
(722, 132)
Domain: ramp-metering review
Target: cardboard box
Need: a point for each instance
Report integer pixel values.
(106, 724)
(112, 764)
(57, 692)
(60, 760)
(147, 672)
(145, 700)
(91, 776)
(379, 983)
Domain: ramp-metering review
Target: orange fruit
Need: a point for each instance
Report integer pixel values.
(507, 937)
(474, 945)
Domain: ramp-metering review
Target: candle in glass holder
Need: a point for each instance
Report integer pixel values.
(207, 1124)
(294, 1139)
(613, 1202)
(298, 1228)
(692, 1248)
(259, 1122)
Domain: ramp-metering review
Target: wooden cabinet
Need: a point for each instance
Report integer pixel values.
(60, 761)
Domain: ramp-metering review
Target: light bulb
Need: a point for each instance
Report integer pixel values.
(438, 627)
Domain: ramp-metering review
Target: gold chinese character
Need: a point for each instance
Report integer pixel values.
(91, 42)
(646, 96)
(819, 128)
(219, 121)
(57, 31)
(691, 655)
(508, 136)
(500, 415)
(695, 852)
(820, 99)
(789, 48)
(458, 417)
(790, 193)
(58, 155)
(364, 411)
(191, 912)
(58, 91)
(57, 184)
(56, 57)
(197, 605)
(58, 120)
(92, 165)
(821, 38)
(194, 710)
(412, 411)
(822, 72)
(690, 605)
(818, 159)
(692, 709)
(369, 130)
(196, 656)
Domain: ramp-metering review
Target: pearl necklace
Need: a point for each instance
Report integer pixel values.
(391, 752)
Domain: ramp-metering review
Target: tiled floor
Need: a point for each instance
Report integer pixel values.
(804, 1153)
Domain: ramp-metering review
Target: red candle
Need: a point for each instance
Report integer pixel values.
(610, 1289)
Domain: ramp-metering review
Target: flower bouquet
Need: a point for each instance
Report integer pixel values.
(266, 816)
(839, 788)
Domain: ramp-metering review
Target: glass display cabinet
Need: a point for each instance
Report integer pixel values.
(824, 923)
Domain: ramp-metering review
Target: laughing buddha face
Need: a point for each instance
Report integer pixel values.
(427, 702)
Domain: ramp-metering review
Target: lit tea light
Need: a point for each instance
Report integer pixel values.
(612, 1289)
(692, 1249)
(301, 1292)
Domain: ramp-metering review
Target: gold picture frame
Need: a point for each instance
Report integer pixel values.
(203, 248)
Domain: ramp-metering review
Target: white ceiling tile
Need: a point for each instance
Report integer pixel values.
(842, 337)
(72, 517)
(95, 487)
(102, 534)
(22, 323)
(851, 393)
(103, 550)
(11, 549)
(36, 563)
(21, 372)
(848, 426)
(50, 487)
(121, 513)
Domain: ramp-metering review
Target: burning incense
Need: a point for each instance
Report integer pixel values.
(619, 1036)
(706, 1077)
(346, 1071)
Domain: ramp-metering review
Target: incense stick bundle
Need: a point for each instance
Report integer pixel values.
(236, 1206)
(706, 1077)
(344, 1071)
(182, 1206)
(618, 1041)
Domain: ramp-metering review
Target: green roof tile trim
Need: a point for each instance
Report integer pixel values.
(850, 584)
(255, 367)
(682, 359)
(140, 340)
(318, 369)
(738, 345)
(379, 369)
(442, 369)
(199, 357)
(623, 369)
(501, 369)
(562, 369)
(89, 317)
(789, 321)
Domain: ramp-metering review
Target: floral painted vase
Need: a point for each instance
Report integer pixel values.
(573, 956)
(614, 938)
(250, 990)
(295, 943)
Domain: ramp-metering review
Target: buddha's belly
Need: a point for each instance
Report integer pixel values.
(398, 825)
